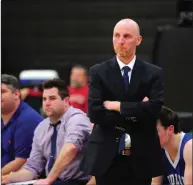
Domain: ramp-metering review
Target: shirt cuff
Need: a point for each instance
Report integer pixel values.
(76, 143)
(22, 156)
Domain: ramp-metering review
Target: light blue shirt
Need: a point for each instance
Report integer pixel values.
(74, 128)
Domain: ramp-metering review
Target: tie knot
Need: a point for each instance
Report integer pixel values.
(126, 69)
(54, 125)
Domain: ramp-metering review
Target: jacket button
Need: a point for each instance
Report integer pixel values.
(117, 139)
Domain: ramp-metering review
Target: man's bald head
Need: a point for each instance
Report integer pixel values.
(128, 23)
(126, 37)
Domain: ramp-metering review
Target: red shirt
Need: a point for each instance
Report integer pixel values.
(79, 98)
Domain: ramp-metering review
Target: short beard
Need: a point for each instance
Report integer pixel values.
(125, 54)
(122, 54)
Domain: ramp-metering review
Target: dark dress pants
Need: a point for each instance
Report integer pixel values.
(120, 173)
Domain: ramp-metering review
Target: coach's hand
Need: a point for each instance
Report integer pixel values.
(115, 105)
(112, 105)
(145, 99)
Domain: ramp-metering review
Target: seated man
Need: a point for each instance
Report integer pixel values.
(58, 141)
(177, 150)
(18, 122)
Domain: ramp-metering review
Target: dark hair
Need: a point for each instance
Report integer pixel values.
(59, 84)
(78, 66)
(168, 117)
(11, 82)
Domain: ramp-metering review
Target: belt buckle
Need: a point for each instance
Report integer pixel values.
(126, 152)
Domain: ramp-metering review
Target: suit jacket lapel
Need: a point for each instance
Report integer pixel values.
(135, 78)
(116, 79)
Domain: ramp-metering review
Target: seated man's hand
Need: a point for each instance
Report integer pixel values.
(92, 181)
(43, 182)
(5, 179)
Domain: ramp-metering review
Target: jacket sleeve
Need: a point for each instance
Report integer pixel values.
(151, 108)
(96, 111)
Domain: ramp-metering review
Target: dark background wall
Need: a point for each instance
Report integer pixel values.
(175, 55)
(57, 33)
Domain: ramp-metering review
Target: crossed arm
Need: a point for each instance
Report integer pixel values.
(109, 112)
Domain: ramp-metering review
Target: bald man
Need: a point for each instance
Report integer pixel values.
(125, 98)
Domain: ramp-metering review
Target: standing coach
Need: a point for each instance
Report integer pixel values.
(125, 98)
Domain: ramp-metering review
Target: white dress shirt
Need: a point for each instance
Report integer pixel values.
(130, 65)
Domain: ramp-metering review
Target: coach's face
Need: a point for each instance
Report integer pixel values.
(126, 38)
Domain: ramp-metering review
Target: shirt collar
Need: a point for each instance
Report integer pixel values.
(130, 65)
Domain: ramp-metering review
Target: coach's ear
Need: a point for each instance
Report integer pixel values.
(139, 40)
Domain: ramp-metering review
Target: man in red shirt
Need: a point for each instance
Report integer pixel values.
(79, 88)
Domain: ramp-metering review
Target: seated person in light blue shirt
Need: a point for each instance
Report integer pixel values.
(58, 141)
(18, 122)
